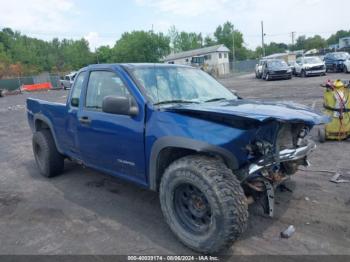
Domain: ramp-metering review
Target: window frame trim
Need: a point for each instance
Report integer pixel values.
(87, 86)
(73, 88)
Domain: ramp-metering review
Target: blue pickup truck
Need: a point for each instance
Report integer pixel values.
(176, 130)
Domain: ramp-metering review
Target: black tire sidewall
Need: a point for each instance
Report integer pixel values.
(51, 161)
(167, 200)
(42, 162)
(223, 192)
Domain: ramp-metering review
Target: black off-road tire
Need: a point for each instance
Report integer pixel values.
(224, 195)
(49, 161)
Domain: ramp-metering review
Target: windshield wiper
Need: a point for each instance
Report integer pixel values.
(178, 101)
(215, 99)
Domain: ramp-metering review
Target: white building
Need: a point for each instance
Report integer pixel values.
(344, 42)
(216, 58)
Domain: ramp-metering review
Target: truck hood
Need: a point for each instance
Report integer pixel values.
(255, 110)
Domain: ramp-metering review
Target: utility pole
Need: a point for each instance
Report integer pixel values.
(98, 61)
(262, 38)
(233, 43)
(293, 37)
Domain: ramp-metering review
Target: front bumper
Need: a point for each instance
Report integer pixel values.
(315, 72)
(283, 156)
(280, 76)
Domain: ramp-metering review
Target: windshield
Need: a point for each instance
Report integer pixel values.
(277, 63)
(312, 60)
(341, 55)
(180, 84)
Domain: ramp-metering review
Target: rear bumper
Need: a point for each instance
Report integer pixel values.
(283, 156)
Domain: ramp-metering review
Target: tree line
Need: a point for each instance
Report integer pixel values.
(22, 55)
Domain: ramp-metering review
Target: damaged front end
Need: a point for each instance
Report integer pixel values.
(273, 158)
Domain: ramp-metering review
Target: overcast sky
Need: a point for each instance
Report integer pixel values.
(102, 22)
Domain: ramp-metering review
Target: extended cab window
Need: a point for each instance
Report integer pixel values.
(78, 84)
(102, 84)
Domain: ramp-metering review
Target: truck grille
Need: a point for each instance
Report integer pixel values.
(317, 68)
(281, 72)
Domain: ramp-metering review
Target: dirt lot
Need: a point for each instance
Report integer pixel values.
(84, 212)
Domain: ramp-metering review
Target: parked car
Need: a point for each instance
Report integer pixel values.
(292, 66)
(309, 65)
(67, 80)
(335, 61)
(176, 130)
(346, 68)
(276, 69)
(259, 67)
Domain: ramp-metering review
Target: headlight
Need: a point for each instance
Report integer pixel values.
(307, 67)
(260, 148)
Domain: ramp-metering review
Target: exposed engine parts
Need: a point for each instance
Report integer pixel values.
(274, 164)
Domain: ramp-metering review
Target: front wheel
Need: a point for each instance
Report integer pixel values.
(267, 77)
(345, 69)
(203, 203)
(303, 74)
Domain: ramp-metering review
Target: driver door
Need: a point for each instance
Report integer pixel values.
(110, 142)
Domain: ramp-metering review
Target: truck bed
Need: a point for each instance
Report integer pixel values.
(54, 112)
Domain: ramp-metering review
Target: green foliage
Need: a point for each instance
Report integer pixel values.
(104, 54)
(30, 55)
(23, 55)
(334, 39)
(315, 42)
(225, 34)
(208, 41)
(140, 46)
(183, 41)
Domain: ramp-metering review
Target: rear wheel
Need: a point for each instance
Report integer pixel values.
(49, 161)
(203, 203)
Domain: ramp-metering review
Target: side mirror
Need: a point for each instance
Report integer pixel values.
(74, 102)
(119, 105)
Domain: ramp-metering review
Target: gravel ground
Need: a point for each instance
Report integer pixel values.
(85, 212)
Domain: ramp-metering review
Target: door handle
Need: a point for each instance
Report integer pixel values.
(85, 120)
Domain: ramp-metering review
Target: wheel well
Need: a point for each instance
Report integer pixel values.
(40, 124)
(170, 154)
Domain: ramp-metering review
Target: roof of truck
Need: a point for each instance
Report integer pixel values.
(134, 65)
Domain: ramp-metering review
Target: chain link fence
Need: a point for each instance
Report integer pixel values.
(246, 66)
(15, 83)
